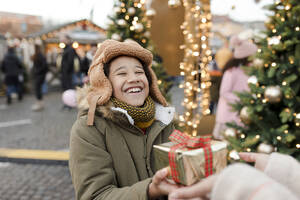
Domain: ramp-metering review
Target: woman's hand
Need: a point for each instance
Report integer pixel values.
(260, 159)
(199, 191)
(160, 185)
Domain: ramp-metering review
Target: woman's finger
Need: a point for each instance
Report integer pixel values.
(248, 157)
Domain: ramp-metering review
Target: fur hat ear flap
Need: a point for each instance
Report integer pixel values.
(100, 90)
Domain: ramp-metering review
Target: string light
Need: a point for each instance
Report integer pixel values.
(62, 45)
(284, 83)
(197, 55)
(298, 146)
(278, 137)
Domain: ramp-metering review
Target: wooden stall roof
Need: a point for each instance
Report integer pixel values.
(82, 31)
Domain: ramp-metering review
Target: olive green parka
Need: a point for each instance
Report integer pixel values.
(113, 158)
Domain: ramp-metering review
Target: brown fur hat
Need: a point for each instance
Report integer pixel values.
(101, 89)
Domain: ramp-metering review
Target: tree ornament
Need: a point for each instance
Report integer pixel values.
(244, 115)
(265, 148)
(274, 40)
(234, 155)
(174, 3)
(117, 9)
(138, 27)
(150, 13)
(258, 62)
(297, 119)
(230, 132)
(122, 22)
(131, 11)
(147, 34)
(116, 36)
(273, 94)
(252, 80)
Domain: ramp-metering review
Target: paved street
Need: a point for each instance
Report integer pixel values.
(20, 128)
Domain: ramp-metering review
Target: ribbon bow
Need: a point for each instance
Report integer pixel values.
(183, 140)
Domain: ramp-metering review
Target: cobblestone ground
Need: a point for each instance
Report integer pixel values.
(35, 182)
(46, 130)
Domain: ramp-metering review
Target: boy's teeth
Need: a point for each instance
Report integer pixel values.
(134, 90)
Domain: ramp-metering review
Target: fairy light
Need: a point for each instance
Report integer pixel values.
(243, 136)
(297, 28)
(248, 150)
(278, 137)
(62, 45)
(298, 146)
(197, 55)
(257, 136)
(284, 83)
(75, 45)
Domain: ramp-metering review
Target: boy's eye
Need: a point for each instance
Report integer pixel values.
(121, 73)
(140, 72)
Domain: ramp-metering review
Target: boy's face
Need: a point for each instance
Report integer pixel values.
(128, 80)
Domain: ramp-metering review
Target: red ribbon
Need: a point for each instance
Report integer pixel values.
(183, 140)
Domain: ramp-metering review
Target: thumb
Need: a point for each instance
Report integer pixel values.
(160, 175)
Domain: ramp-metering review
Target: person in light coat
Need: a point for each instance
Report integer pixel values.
(234, 80)
(275, 176)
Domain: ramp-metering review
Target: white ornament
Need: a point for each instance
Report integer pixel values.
(258, 62)
(230, 132)
(273, 94)
(234, 155)
(147, 34)
(131, 11)
(116, 36)
(252, 80)
(274, 40)
(138, 27)
(122, 22)
(265, 148)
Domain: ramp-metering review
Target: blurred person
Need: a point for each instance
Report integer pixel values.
(40, 69)
(234, 80)
(223, 55)
(67, 64)
(122, 114)
(12, 68)
(90, 54)
(275, 176)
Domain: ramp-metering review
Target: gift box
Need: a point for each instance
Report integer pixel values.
(190, 159)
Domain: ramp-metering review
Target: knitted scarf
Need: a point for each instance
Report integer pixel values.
(143, 116)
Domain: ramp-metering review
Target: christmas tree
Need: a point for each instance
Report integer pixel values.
(130, 20)
(270, 112)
